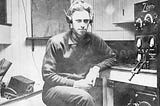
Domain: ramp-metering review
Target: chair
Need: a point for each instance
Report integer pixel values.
(4, 66)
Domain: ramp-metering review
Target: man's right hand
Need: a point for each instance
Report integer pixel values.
(82, 84)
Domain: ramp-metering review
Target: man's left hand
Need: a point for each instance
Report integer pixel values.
(92, 75)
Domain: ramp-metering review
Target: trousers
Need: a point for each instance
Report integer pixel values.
(67, 96)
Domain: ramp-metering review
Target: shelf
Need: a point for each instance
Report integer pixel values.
(5, 31)
(127, 22)
(7, 24)
(32, 39)
(38, 38)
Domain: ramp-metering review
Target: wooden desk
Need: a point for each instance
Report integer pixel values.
(122, 74)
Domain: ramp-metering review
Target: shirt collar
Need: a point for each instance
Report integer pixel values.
(71, 41)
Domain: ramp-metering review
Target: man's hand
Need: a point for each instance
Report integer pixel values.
(92, 75)
(83, 84)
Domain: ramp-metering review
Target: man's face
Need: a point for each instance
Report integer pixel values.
(80, 22)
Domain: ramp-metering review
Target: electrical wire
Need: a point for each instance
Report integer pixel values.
(33, 58)
(34, 61)
(93, 25)
(25, 18)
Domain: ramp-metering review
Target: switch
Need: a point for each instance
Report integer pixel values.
(139, 42)
(152, 42)
(139, 57)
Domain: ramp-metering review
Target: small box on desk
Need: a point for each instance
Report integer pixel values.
(21, 84)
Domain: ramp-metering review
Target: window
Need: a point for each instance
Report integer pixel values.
(3, 13)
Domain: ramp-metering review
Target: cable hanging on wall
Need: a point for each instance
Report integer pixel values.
(25, 15)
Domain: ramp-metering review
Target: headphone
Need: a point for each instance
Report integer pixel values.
(69, 18)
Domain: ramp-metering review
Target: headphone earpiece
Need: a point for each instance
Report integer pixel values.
(91, 20)
(68, 19)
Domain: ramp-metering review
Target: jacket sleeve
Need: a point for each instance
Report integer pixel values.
(105, 52)
(49, 67)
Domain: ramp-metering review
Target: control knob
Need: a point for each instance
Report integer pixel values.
(138, 24)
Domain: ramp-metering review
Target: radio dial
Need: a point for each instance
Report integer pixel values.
(148, 19)
(138, 24)
(139, 43)
(152, 43)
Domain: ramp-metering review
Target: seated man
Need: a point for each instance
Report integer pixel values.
(73, 60)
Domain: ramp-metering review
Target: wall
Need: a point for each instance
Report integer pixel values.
(48, 17)
(105, 11)
(19, 52)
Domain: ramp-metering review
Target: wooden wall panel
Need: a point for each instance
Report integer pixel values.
(48, 17)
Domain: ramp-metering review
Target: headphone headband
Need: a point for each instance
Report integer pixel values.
(78, 5)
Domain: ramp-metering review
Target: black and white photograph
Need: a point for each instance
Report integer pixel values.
(79, 52)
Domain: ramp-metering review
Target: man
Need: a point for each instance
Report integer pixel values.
(73, 60)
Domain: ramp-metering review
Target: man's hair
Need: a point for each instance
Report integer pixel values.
(79, 5)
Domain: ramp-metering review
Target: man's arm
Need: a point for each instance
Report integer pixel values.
(108, 57)
(49, 67)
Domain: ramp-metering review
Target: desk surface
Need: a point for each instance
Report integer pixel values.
(37, 90)
(130, 67)
(145, 77)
